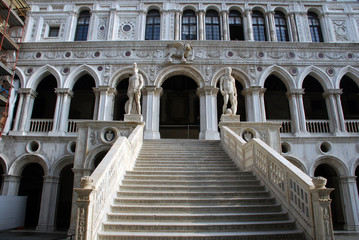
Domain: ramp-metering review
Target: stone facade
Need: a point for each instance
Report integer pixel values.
(116, 34)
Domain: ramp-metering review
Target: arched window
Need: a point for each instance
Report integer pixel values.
(189, 25)
(281, 27)
(153, 25)
(259, 28)
(213, 31)
(314, 26)
(82, 26)
(235, 26)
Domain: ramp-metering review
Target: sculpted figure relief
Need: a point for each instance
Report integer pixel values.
(227, 86)
(135, 84)
(183, 52)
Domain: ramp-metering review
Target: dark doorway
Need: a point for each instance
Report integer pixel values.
(32, 178)
(120, 100)
(45, 101)
(324, 170)
(241, 106)
(179, 104)
(63, 216)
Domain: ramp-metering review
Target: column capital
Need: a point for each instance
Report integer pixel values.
(152, 90)
(333, 92)
(27, 91)
(64, 91)
(247, 11)
(105, 89)
(347, 179)
(253, 89)
(207, 90)
(11, 178)
(299, 91)
(224, 11)
(51, 179)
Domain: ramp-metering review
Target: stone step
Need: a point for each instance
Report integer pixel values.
(188, 168)
(186, 194)
(189, 178)
(191, 217)
(147, 188)
(196, 209)
(177, 162)
(193, 201)
(199, 226)
(185, 172)
(192, 182)
(257, 235)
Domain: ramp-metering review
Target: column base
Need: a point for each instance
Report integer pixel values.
(148, 134)
(209, 135)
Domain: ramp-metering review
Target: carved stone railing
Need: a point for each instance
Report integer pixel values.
(41, 125)
(318, 126)
(306, 200)
(97, 191)
(352, 126)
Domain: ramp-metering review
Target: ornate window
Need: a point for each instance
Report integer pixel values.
(259, 28)
(189, 25)
(82, 26)
(153, 25)
(281, 27)
(213, 31)
(314, 26)
(235, 26)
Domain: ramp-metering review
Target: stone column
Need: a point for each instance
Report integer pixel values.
(112, 24)
(337, 94)
(349, 194)
(321, 210)
(254, 96)
(48, 204)
(201, 24)
(142, 26)
(26, 108)
(249, 27)
(11, 109)
(151, 111)
(18, 112)
(294, 109)
(225, 26)
(62, 110)
(332, 105)
(10, 185)
(301, 112)
(208, 113)
(271, 25)
(105, 98)
(292, 27)
(177, 25)
(72, 25)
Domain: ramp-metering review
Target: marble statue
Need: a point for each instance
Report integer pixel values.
(135, 85)
(227, 87)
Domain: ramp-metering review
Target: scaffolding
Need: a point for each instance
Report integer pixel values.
(12, 27)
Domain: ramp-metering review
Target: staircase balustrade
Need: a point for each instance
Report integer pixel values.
(41, 125)
(95, 196)
(318, 126)
(352, 126)
(306, 199)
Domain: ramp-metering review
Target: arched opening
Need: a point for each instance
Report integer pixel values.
(45, 101)
(350, 98)
(213, 30)
(120, 100)
(189, 25)
(315, 106)
(281, 27)
(241, 105)
(315, 28)
(259, 26)
(2, 172)
(32, 178)
(179, 108)
(82, 27)
(235, 25)
(82, 103)
(324, 170)
(64, 204)
(153, 25)
(275, 99)
(98, 158)
(357, 177)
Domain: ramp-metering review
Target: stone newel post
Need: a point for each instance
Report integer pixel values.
(83, 226)
(321, 210)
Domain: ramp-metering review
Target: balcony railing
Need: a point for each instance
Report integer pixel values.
(41, 125)
(352, 126)
(318, 126)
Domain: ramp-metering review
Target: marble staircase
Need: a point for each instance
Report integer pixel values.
(191, 189)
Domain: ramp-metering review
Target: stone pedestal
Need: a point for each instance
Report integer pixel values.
(133, 118)
(230, 118)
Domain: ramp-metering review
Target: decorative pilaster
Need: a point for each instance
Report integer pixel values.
(151, 111)
(72, 26)
(112, 25)
(225, 26)
(249, 27)
(321, 209)
(293, 27)
(208, 113)
(48, 204)
(177, 25)
(201, 24)
(271, 24)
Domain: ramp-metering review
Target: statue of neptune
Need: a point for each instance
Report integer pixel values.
(135, 85)
(227, 86)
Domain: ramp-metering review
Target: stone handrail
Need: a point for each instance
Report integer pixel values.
(306, 199)
(97, 190)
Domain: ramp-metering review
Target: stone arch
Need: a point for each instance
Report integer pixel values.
(351, 72)
(83, 8)
(238, 74)
(338, 165)
(20, 163)
(78, 73)
(236, 8)
(171, 71)
(281, 9)
(3, 162)
(124, 73)
(315, 10)
(353, 166)
(279, 72)
(153, 7)
(90, 158)
(318, 74)
(60, 164)
(296, 162)
(41, 73)
(189, 7)
(212, 7)
(21, 76)
(260, 9)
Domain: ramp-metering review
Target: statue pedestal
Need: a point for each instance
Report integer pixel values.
(133, 118)
(230, 118)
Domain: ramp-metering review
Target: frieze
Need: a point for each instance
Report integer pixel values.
(340, 30)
